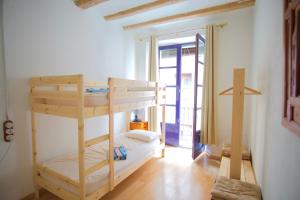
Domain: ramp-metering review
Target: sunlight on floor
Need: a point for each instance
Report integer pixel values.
(178, 156)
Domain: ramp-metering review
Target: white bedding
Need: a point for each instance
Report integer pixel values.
(68, 164)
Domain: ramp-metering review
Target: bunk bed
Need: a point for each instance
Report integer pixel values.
(91, 172)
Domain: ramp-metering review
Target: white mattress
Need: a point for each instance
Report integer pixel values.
(68, 164)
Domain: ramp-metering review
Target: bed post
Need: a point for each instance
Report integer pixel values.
(111, 136)
(81, 146)
(34, 149)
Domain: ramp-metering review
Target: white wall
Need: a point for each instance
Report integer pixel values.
(4, 147)
(54, 37)
(275, 149)
(2, 72)
(234, 49)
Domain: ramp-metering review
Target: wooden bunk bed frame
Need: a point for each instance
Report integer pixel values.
(123, 96)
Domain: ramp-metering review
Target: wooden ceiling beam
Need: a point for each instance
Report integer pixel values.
(84, 4)
(193, 14)
(140, 9)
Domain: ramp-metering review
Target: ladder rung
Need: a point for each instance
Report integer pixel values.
(96, 140)
(96, 167)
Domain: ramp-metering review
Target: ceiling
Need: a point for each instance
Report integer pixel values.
(113, 6)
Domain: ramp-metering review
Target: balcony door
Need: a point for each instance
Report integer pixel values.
(198, 85)
(169, 71)
(181, 68)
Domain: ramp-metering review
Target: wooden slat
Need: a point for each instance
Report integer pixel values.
(98, 193)
(111, 135)
(243, 178)
(96, 84)
(133, 95)
(131, 106)
(95, 111)
(96, 140)
(224, 167)
(55, 80)
(58, 191)
(193, 14)
(96, 167)
(84, 4)
(249, 173)
(226, 151)
(50, 172)
(237, 123)
(136, 89)
(55, 94)
(140, 9)
(64, 111)
(138, 101)
(121, 90)
(34, 149)
(81, 140)
(130, 83)
(69, 111)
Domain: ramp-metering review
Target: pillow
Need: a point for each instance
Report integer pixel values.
(142, 135)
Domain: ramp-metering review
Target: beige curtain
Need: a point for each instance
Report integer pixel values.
(153, 76)
(208, 125)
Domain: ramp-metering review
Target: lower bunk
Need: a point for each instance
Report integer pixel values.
(60, 176)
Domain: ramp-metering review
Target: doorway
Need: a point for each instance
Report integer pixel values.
(177, 63)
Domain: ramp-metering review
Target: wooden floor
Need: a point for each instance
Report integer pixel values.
(174, 177)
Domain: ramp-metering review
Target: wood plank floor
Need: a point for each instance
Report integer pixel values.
(175, 177)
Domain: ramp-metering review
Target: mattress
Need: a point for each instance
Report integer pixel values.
(68, 164)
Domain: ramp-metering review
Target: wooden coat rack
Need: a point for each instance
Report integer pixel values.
(238, 91)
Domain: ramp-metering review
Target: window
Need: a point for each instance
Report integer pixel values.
(291, 103)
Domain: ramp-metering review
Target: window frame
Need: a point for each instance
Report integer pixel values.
(291, 85)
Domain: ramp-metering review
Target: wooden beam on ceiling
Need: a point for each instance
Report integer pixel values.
(84, 4)
(140, 9)
(193, 14)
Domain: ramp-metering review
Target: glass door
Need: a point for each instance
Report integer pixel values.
(198, 85)
(187, 94)
(169, 71)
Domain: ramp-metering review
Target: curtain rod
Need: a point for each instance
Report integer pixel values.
(184, 31)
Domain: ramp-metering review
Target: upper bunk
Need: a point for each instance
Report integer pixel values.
(67, 95)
